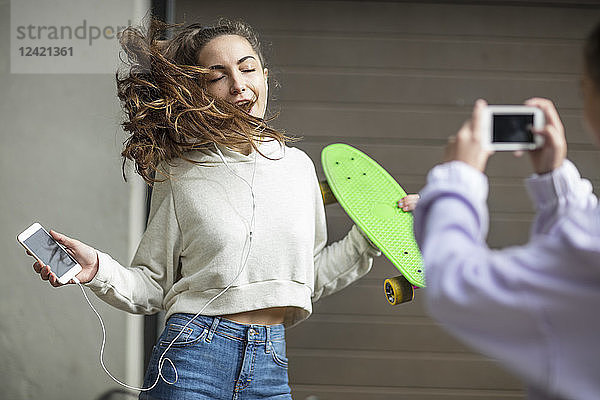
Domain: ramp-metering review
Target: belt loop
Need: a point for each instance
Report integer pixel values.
(268, 340)
(213, 328)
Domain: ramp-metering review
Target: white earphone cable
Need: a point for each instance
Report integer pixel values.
(163, 359)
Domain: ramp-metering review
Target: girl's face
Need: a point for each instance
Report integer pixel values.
(591, 106)
(236, 74)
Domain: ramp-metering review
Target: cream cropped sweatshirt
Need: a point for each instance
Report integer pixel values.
(198, 235)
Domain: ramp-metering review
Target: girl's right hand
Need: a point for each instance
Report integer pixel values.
(85, 255)
(467, 145)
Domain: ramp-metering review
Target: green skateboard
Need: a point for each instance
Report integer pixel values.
(369, 195)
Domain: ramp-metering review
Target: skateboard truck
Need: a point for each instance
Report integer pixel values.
(398, 289)
(326, 193)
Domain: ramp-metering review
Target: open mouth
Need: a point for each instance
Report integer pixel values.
(245, 105)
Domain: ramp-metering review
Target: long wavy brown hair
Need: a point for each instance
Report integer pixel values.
(168, 110)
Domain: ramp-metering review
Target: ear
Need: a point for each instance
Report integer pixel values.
(266, 73)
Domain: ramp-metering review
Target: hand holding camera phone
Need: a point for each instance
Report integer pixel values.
(54, 262)
(511, 128)
(535, 126)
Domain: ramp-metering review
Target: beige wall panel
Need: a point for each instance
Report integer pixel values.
(384, 122)
(428, 88)
(391, 334)
(366, 298)
(357, 368)
(398, 17)
(413, 160)
(508, 231)
(425, 52)
(399, 160)
(510, 198)
(377, 393)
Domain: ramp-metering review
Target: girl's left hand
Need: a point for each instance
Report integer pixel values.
(409, 202)
(552, 154)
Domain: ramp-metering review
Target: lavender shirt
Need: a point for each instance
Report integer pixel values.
(536, 307)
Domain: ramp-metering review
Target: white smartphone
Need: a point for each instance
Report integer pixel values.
(509, 128)
(47, 250)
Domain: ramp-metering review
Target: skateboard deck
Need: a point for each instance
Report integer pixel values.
(370, 195)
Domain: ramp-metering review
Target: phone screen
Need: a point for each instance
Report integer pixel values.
(512, 128)
(47, 250)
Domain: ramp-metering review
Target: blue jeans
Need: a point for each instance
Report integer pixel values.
(219, 359)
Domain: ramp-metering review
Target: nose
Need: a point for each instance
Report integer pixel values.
(238, 85)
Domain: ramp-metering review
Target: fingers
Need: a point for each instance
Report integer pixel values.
(450, 150)
(552, 134)
(54, 281)
(472, 128)
(68, 243)
(46, 274)
(548, 108)
(62, 239)
(37, 267)
(477, 119)
(467, 145)
(554, 150)
(464, 133)
(409, 203)
(553, 129)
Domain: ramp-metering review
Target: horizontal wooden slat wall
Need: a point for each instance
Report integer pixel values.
(395, 79)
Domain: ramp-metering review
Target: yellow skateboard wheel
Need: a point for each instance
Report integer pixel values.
(398, 290)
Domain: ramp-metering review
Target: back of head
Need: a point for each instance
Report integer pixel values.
(592, 55)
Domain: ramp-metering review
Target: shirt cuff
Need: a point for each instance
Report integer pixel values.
(455, 179)
(547, 188)
(103, 274)
(358, 237)
(458, 176)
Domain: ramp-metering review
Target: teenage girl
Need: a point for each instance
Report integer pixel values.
(236, 231)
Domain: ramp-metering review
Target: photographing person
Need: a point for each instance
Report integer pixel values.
(534, 307)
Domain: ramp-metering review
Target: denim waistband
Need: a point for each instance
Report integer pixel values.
(224, 326)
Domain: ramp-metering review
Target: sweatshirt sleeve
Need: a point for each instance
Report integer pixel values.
(557, 193)
(485, 297)
(140, 288)
(525, 306)
(339, 264)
